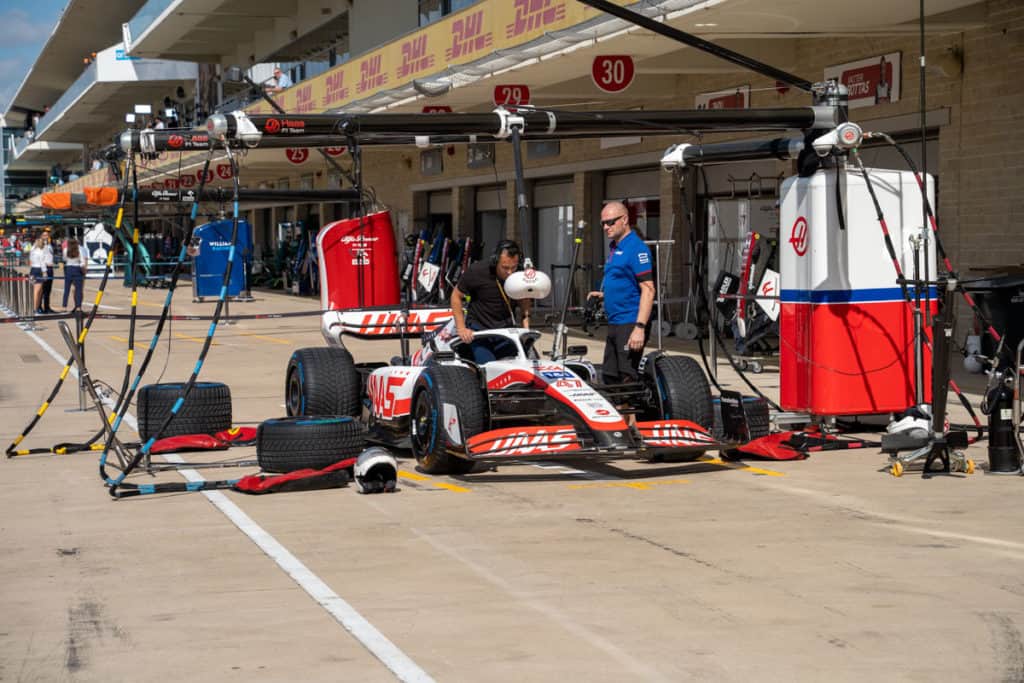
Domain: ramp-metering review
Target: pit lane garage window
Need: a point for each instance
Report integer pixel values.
(432, 10)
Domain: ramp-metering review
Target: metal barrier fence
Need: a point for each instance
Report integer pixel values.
(16, 294)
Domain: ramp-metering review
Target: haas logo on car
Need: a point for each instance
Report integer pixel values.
(272, 126)
(385, 395)
(798, 236)
(175, 141)
(670, 434)
(526, 442)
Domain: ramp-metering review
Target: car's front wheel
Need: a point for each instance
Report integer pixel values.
(448, 408)
(680, 391)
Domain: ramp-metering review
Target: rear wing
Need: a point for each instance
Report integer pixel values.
(381, 322)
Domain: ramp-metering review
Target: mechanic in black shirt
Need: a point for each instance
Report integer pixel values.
(489, 306)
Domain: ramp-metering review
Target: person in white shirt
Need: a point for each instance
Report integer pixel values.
(75, 265)
(37, 270)
(48, 282)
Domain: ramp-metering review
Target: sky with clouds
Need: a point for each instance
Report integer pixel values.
(26, 24)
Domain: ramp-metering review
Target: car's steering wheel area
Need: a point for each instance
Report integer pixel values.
(462, 350)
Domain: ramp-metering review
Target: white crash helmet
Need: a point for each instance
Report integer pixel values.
(376, 471)
(528, 283)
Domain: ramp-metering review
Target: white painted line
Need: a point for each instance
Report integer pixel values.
(362, 630)
(373, 640)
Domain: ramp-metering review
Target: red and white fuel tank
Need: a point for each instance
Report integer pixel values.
(846, 334)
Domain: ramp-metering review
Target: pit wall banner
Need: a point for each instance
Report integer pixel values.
(461, 38)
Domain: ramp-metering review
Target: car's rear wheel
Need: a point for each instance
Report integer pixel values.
(681, 391)
(444, 392)
(322, 381)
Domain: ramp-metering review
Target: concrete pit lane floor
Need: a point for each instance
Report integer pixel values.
(823, 569)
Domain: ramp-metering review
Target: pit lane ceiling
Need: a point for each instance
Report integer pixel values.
(747, 26)
(556, 65)
(84, 27)
(765, 31)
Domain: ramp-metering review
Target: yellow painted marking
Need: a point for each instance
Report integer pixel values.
(135, 236)
(42, 408)
(117, 223)
(96, 447)
(61, 451)
(264, 337)
(638, 485)
(198, 340)
(131, 356)
(440, 484)
(116, 338)
(99, 295)
(150, 304)
(135, 298)
(64, 372)
(18, 440)
(81, 337)
(23, 453)
(745, 468)
(111, 418)
(450, 487)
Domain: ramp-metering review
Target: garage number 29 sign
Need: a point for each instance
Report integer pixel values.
(612, 73)
(511, 95)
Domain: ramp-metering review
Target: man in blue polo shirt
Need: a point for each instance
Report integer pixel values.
(628, 291)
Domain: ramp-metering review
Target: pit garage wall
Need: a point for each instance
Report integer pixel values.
(979, 165)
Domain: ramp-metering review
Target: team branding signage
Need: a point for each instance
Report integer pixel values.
(733, 98)
(871, 81)
(461, 38)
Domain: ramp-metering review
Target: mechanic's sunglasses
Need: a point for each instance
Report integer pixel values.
(609, 222)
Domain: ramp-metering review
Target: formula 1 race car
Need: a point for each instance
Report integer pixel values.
(453, 413)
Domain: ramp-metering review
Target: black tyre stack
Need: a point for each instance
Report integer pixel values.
(207, 410)
(296, 443)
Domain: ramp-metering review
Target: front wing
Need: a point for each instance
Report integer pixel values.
(652, 438)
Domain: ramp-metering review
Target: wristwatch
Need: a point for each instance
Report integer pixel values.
(642, 326)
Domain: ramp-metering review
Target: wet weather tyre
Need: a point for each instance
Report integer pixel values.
(207, 410)
(683, 390)
(296, 443)
(436, 386)
(322, 381)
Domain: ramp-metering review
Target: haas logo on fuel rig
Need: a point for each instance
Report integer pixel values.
(798, 236)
